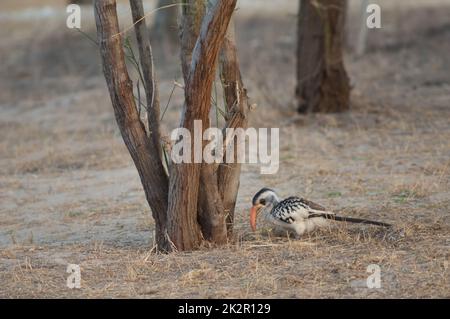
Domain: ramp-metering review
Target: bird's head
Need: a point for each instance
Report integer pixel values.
(264, 198)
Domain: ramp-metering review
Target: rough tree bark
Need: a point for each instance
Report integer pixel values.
(218, 184)
(211, 215)
(183, 226)
(237, 117)
(142, 149)
(193, 12)
(322, 81)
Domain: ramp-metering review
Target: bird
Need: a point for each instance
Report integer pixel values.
(296, 215)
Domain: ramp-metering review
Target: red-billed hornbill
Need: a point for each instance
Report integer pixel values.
(295, 214)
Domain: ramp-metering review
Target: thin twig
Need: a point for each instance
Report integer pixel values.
(139, 98)
(134, 61)
(87, 36)
(168, 102)
(216, 104)
(146, 15)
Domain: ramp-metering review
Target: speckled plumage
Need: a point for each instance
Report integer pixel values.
(298, 215)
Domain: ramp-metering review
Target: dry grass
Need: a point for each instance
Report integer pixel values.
(318, 266)
(69, 192)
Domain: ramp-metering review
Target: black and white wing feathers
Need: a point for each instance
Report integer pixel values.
(294, 208)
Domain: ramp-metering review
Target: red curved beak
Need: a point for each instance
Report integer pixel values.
(254, 211)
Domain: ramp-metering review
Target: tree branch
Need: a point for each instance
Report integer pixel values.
(150, 84)
(140, 147)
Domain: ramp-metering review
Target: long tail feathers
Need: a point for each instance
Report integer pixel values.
(350, 219)
(361, 221)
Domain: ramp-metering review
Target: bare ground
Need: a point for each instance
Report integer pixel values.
(69, 192)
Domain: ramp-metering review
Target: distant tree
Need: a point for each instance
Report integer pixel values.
(194, 201)
(322, 81)
(165, 28)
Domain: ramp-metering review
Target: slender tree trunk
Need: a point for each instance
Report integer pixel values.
(322, 81)
(218, 184)
(193, 12)
(148, 72)
(183, 226)
(210, 206)
(237, 117)
(142, 149)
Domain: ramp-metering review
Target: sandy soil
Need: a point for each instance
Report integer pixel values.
(69, 192)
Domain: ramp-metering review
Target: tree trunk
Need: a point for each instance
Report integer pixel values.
(142, 149)
(322, 81)
(237, 117)
(177, 207)
(183, 226)
(210, 208)
(218, 184)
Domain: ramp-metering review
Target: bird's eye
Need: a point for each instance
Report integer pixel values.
(262, 201)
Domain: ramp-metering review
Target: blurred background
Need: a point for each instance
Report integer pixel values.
(66, 177)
